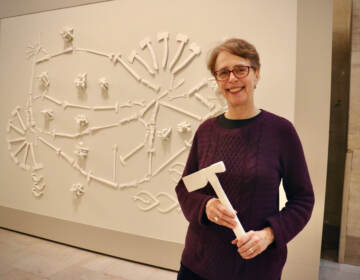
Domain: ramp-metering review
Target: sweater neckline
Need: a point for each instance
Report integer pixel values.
(230, 124)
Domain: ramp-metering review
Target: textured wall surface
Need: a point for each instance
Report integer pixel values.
(352, 249)
(9, 8)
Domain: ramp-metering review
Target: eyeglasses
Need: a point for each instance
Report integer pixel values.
(239, 71)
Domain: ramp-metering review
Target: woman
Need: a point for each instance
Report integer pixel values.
(259, 149)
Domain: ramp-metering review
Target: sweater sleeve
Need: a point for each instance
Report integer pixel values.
(298, 188)
(192, 203)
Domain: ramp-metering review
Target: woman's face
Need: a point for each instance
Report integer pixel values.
(238, 92)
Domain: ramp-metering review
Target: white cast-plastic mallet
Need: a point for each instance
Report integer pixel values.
(199, 179)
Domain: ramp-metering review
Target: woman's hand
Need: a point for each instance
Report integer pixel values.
(218, 214)
(254, 243)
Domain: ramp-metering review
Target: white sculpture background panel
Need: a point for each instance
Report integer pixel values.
(144, 112)
(101, 119)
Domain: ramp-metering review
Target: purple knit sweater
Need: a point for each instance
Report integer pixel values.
(257, 157)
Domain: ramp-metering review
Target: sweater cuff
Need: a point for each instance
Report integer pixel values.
(203, 219)
(275, 226)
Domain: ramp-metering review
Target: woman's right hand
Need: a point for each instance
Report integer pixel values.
(218, 214)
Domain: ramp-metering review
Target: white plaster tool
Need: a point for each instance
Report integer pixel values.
(199, 179)
(195, 50)
(134, 55)
(146, 42)
(16, 112)
(182, 39)
(68, 34)
(164, 36)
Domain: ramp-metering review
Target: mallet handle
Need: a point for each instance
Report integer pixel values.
(214, 181)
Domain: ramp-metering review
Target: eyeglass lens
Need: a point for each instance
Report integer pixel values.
(240, 71)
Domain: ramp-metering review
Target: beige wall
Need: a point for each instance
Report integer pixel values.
(312, 109)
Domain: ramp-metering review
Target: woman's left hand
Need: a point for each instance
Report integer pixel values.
(254, 243)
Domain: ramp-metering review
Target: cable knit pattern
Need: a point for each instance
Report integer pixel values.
(257, 157)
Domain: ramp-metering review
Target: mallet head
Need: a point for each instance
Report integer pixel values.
(181, 38)
(199, 179)
(143, 43)
(162, 36)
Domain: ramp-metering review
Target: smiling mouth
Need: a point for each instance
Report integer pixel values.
(235, 90)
